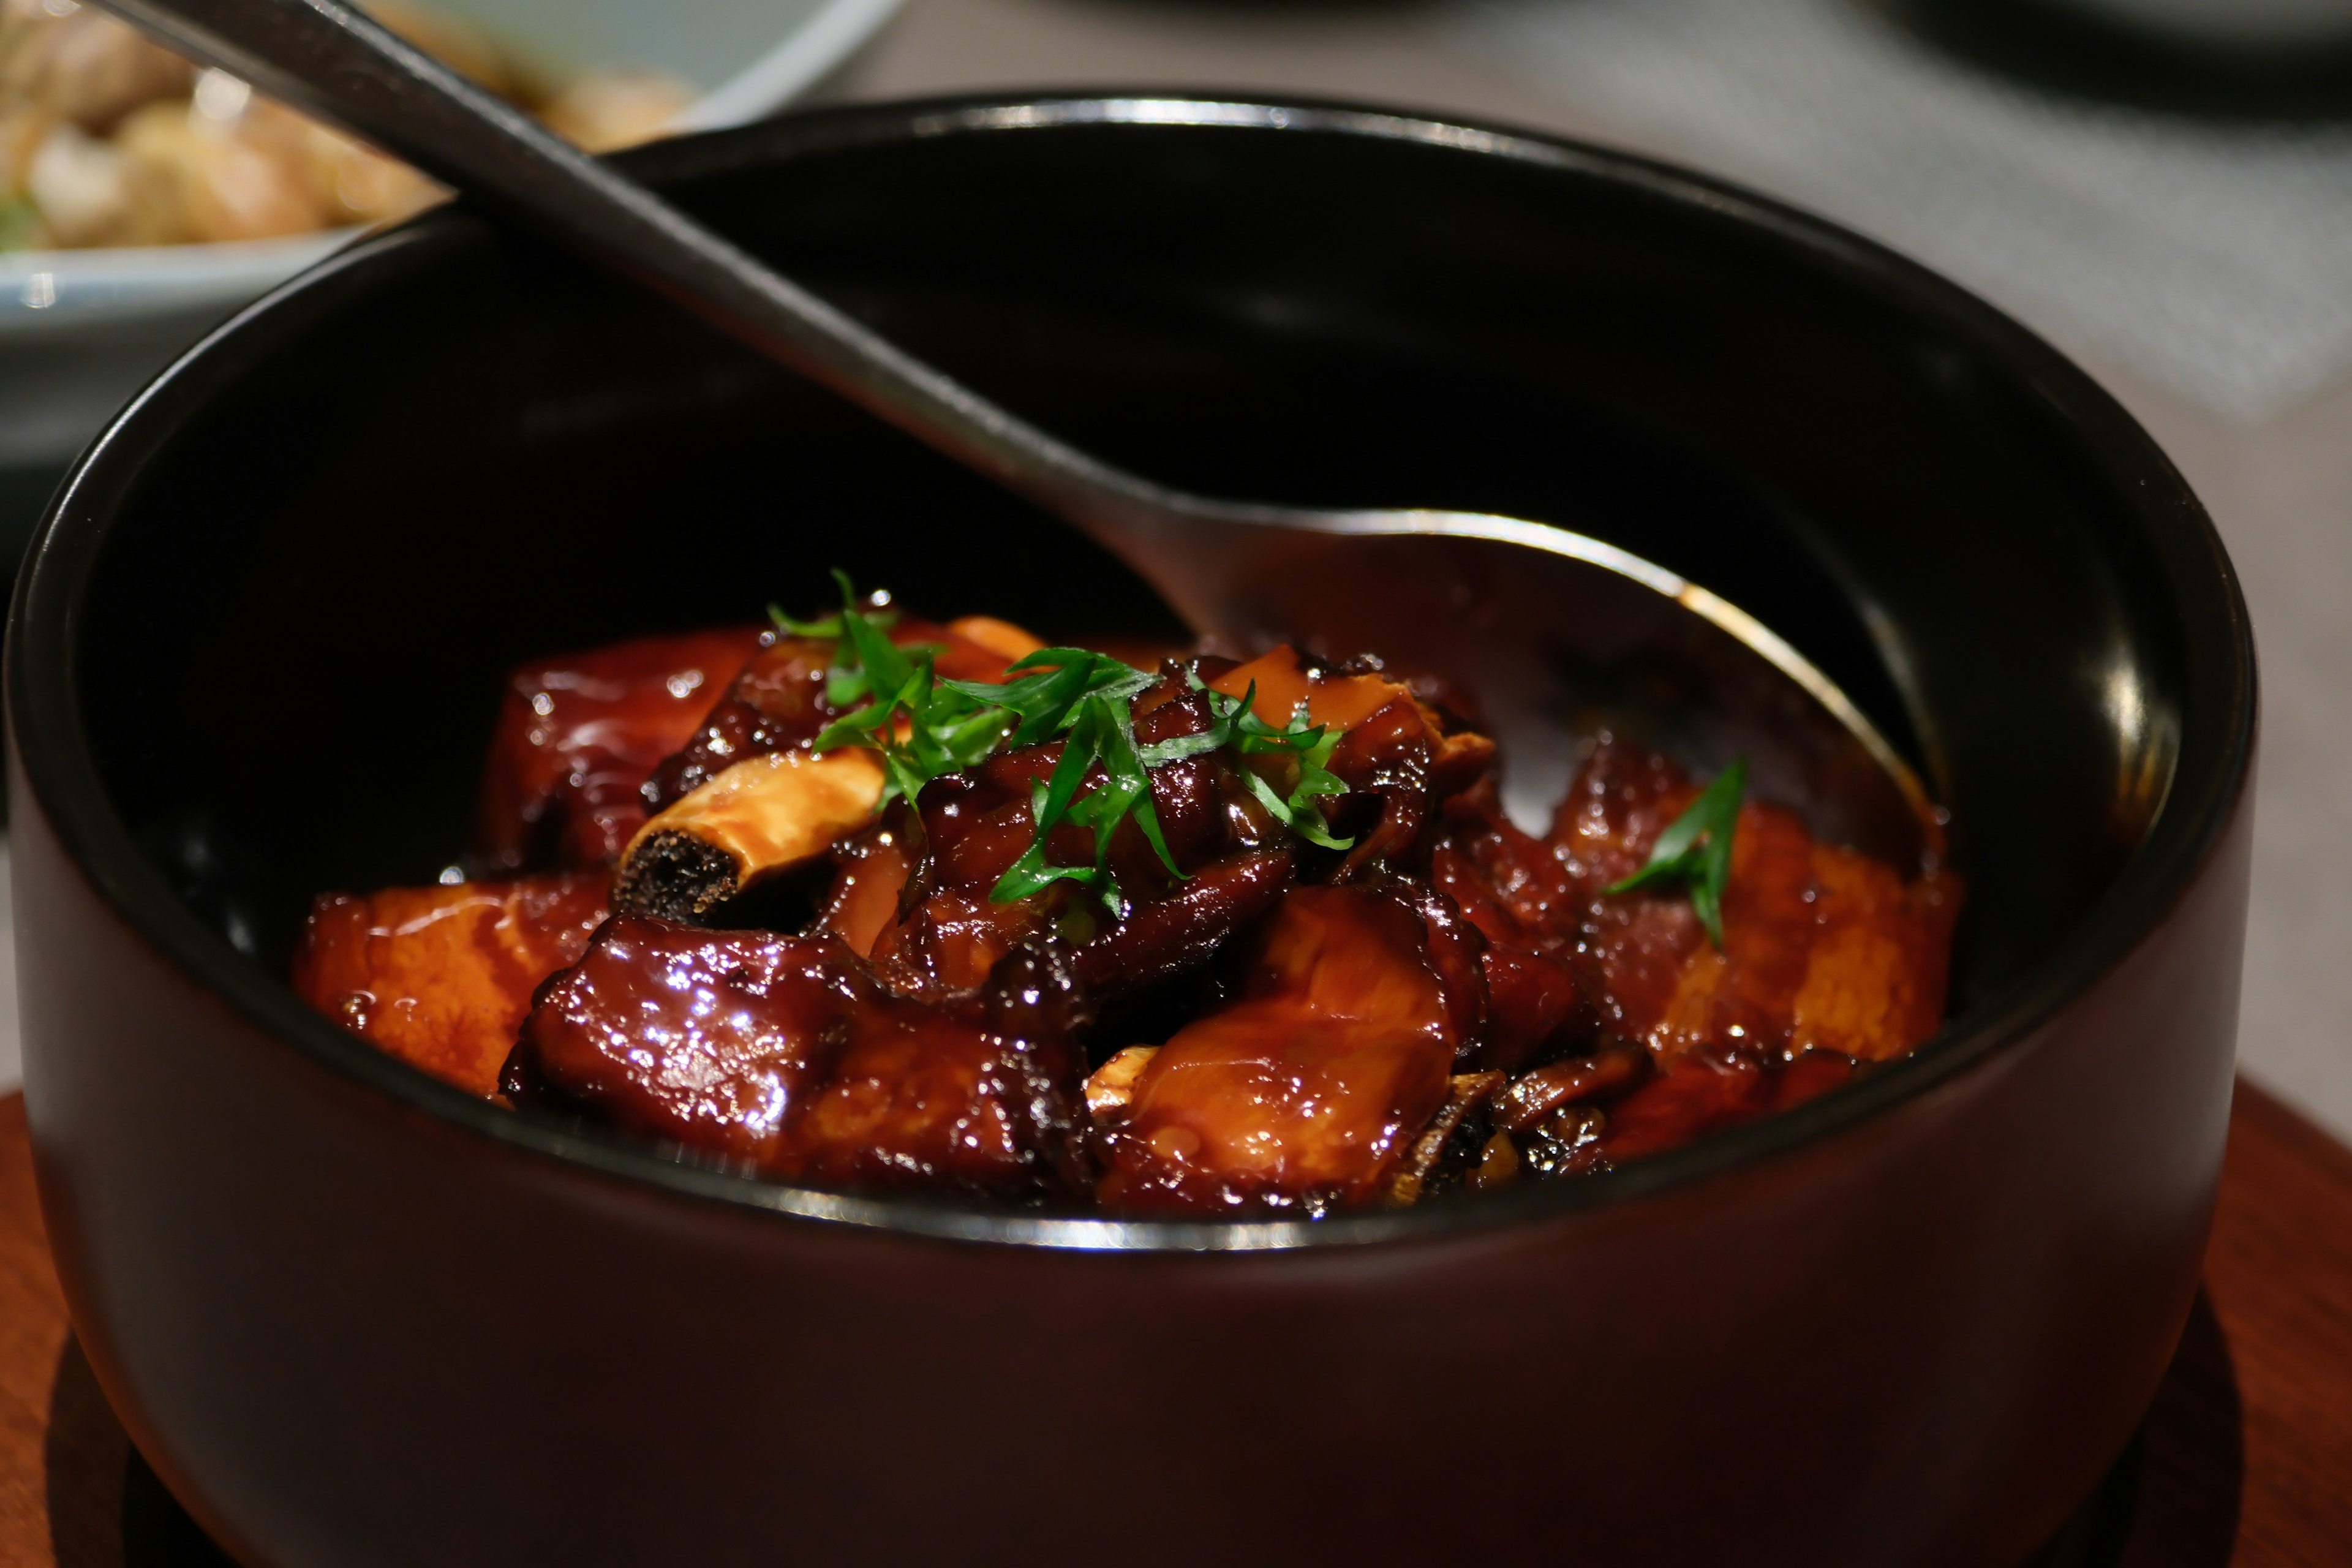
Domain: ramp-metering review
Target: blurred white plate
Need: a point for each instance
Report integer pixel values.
(82, 329)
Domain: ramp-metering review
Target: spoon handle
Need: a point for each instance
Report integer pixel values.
(344, 68)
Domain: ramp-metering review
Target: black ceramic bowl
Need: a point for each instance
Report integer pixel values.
(354, 1318)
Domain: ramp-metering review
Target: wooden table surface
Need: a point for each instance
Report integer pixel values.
(2246, 1457)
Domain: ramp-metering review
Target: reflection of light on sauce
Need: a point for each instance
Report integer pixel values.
(684, 683)
(1175, 1143)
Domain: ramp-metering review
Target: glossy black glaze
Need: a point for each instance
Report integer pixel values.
(347, 1312)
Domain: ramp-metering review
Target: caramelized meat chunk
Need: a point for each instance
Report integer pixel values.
(744, 799)
(1518, 895)
(977, 823)
(1307, 1090)
(1174, 935)
(1395, 753)
(1351, 700)
(780, 702)
(442, 976)
(579, 735)
(784, 1053)
(1711, 1090)
(1823, 948)
(871, 869)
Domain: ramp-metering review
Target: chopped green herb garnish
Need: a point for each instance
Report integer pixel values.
(1310, 745)
(849, 679)
(1098, 725)
(1695, 849)
(925, 727)
(921, 728)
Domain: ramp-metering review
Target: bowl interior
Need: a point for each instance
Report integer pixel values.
(322, 540)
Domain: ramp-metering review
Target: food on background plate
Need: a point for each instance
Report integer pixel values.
(873, 903)
(108, 139)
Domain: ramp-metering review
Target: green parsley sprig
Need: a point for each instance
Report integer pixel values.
(1309, 745)
(921, 728)
(1086, 698)
(925, 727)
(1695, 849)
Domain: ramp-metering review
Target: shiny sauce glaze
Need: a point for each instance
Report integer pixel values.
(1293, 958)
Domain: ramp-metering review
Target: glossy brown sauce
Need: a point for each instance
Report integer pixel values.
(1275, 1027)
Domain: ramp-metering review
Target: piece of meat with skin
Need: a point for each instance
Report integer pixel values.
(1704, 1092)
(951, 940)
(871, 869)
(715, 1039)
(1306, 1091)
(1348, 700)
(746, 801)
(1621, 799)
(442, 976)
(1520, 896)
(1172, 936)
(977, 823)
(934, 1098)
(1386, 761)
(1394, 752)
(1745, 993)
(578, 734)
(1511, 883)
(1535, 1004)
(1876, 979)
(784, 1053)
(1822, 946)
(779, 701)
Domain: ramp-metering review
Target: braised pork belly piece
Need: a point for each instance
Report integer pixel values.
(743, 799)
(1822, 949)
(1309, 1087)
(442, 976)
(1211, 939)
(578, 736)
(788, 1054)
(1229, 858)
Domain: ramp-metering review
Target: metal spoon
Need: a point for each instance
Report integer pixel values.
(1531, 618)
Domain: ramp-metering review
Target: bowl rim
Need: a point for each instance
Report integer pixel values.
(52, 751)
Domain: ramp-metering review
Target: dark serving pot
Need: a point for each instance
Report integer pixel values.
(354, 1317)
